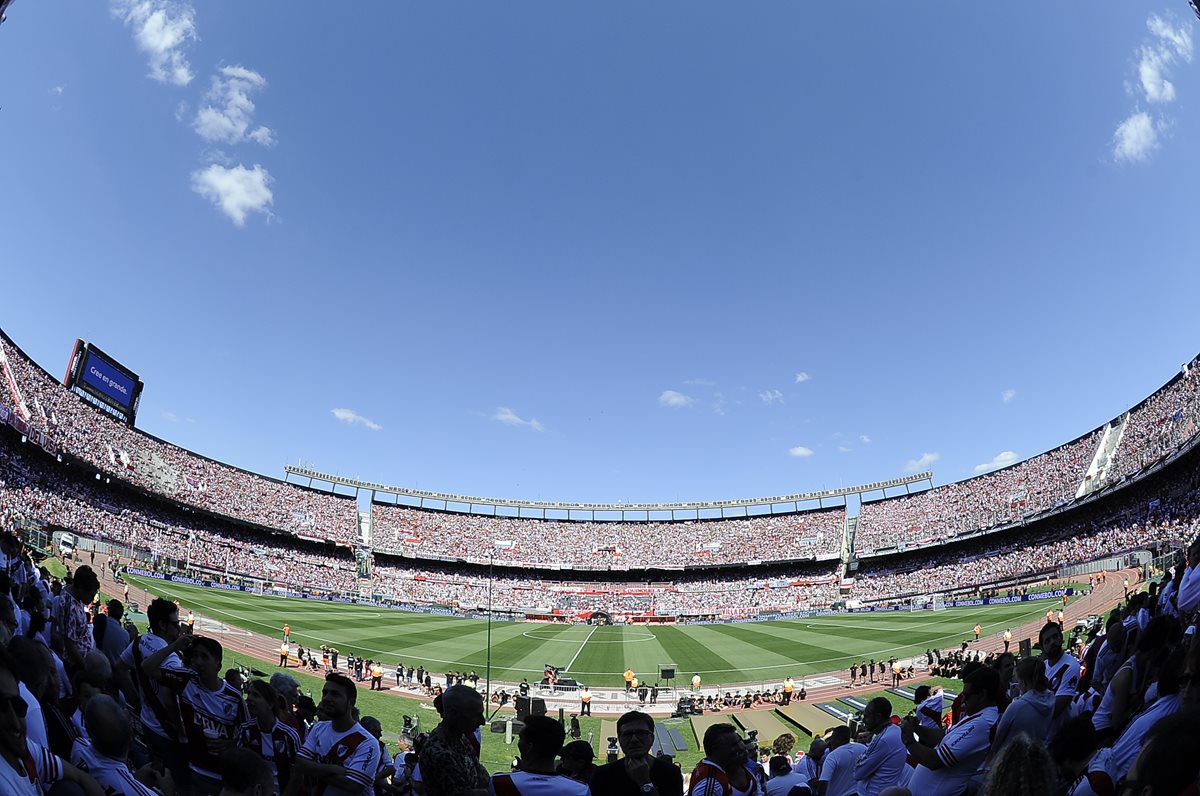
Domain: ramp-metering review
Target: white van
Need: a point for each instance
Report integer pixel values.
(66, 544)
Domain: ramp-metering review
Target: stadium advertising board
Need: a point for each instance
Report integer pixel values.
(102, 378)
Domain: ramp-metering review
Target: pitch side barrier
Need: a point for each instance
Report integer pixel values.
(437, 610)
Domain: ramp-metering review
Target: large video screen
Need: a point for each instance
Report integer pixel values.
(105, 380)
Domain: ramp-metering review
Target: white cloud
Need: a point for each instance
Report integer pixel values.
(771, 396)
(1135, 138)
(1138, 135)
(1001, 459)
(674, 399)
(235, 191)
(864, 439)
(800, 451)
(1152, 69)
(1156, 58)
(58, 90)
(844, 449)
(161, 29)
(228, 113)
(352, 417)
(1008, 395)
(510, 418)
(802, 377)
(921, 464)
(1179, 39)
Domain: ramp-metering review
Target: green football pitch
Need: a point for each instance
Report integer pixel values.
(745, 652)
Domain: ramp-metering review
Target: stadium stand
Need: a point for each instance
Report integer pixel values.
(130, 455)
(170, 510)
(420, 532)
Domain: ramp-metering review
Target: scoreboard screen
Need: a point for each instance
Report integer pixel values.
(104, 379)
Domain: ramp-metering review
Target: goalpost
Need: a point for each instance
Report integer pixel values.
(929, 602)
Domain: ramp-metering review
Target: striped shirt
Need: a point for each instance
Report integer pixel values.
(39, 766)
(278, 746)
(220, 711)
(113, 775)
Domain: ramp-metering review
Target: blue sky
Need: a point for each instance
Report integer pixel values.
(585, 251)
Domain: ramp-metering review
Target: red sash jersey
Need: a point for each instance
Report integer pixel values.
(709, 779)
(222, 711)
(278, 746)
(529, 783)
(356, 750)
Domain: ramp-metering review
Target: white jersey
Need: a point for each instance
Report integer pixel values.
(962, 752)
(929, 712)
(113, 775)
(838, 769)
(356, 750)
(39, 767)
(528, 783)
(1097, 780)
(1063, 677)
(149, 644)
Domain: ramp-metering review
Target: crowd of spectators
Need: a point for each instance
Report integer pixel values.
(154, 533)
(1005, 496)
(1160, 425)
(606, 544)
(110, 446)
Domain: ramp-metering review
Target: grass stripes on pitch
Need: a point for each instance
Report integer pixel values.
(731, 653)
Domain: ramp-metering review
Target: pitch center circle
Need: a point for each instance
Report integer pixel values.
(640, 637)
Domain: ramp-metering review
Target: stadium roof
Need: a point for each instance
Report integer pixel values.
(447, 497)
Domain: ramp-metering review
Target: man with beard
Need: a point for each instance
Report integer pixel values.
(339, 753)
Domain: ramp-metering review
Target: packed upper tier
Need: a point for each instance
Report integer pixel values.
(1157, 428)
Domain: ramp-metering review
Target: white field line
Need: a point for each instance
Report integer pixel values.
(1011, 621)
(581, 646)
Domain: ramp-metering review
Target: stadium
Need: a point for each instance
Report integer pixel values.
(571, 596)
(644, 399)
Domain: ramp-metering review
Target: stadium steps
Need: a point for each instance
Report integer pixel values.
(702, 723)
(608, 729)
(667, 741)
(850, 529)
(364, 528)
(765, 722)
(809, 718)
(1097, 473)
